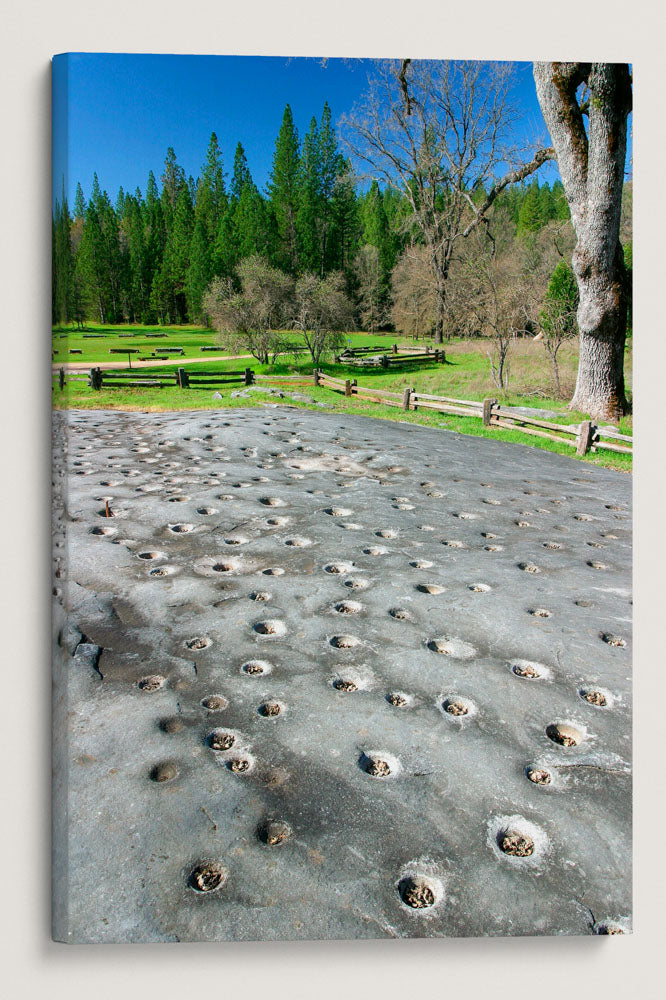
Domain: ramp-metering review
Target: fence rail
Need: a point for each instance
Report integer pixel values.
(584, 436)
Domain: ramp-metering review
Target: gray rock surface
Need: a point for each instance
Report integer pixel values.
(434, 617)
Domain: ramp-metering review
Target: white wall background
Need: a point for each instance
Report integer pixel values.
(30, 965)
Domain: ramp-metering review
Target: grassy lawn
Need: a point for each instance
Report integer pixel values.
(466, 375)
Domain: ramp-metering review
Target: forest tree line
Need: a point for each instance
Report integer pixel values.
(150, 258)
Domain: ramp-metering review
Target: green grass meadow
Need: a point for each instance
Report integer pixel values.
(465, 375)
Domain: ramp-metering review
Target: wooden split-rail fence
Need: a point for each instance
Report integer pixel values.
(582, 437)
(97, 379)
(368, 357)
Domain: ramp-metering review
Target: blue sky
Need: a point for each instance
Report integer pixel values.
(117, 114)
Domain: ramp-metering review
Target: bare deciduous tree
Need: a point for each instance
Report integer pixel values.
(321, 311)
(414, 296)
(591, 162)
(438, 132)
(252, 318)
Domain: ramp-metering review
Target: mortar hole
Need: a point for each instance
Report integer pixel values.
(344, 685)
(214, 703)
(220, 739)
(274, 832)
(270, 709)
(207, 876)
(150, 683)
(166, 771)
(563, 734)
(416, 892)
(515, 844)
(539, 775)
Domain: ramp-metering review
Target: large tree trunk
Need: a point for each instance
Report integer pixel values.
(592, 169)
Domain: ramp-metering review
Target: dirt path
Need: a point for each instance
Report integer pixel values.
(85, 366)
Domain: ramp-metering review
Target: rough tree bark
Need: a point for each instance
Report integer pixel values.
(592, 169)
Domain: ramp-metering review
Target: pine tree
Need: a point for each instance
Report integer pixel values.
(79, 202)
(308, 207)
(283, 192)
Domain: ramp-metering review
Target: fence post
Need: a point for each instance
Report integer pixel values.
(488, 410)
(315, 376)
(61, 378)
(584, 437)
(395, 348)
(427, 348)
(385, 361)
(95, 378)
(405, 398)
(182, 378)
(348, 391)
(249, 376)
(442, 356)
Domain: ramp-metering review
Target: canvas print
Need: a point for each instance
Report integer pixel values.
(342, 447)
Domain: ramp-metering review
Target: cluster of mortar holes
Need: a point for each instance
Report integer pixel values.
(344, 641)
(430, 588)
(254, 668)
(298, 542)
(538, 775)
(272, 502)
(164, 771)
(398, 699)
(207, 511)
(181, 529)
(593, 564)
(236, 540)
(151, 683)
(348, 607)
(102, 531)
(453, 543)
(418, 892)
(277, 522)
(198, 642)
(273, 832)
(207, 876)
(378, 764)
(338, 511)
(479, 588)
(595, 696)
(528, 567)
(273, 571)
(337, 568)
(421, 563)
(271, 626)
(529, 670)
(564, 734)
(260, 595)
(161, 571)
(270, 709)
(214, 703)
(375, 550)
(613, 640)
